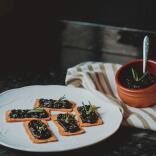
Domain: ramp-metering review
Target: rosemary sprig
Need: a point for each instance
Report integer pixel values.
(92, 108)
(36, 110)
(60, 100)
(85, 107)
(43, 127)
(68, 117)
(136, 76)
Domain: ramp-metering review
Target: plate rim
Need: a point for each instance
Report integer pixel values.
(57, 151)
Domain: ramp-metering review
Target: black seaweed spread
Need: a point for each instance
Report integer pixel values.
(68, 122)
(60, 103)
(88, 113)
(29, 113)
(134, 78)
(39, 129)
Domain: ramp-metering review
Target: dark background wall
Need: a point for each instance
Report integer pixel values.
(136, 13)
(30, 30)
(125, 13)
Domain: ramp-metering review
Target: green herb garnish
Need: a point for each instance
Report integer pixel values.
(137, 77)
(68, 117)
(60, 100)
(90, 108)
(41, 128)
(35, 110)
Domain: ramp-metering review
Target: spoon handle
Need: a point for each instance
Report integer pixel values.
(145, 52)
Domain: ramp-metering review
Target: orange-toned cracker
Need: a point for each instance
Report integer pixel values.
(61, 129)
(84, 124)
(9, 119)
(37, 104)
(35, 140)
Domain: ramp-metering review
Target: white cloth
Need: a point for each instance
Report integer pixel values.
(98, 76)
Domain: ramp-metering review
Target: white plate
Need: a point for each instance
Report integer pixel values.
(13, 134)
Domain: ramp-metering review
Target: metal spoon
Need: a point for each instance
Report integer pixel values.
(145, 52)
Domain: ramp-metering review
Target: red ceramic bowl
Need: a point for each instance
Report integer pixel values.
(143, 97)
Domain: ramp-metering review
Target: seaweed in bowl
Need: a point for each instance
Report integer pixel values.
(133, 78)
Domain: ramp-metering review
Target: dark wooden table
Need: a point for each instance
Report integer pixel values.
(89, 42)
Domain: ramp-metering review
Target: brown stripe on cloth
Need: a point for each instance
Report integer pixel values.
(90, 67)
(95, 80)
(106, 82)
(100, 83)
(114, 67)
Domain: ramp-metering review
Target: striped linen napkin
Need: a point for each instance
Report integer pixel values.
(98, 76)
